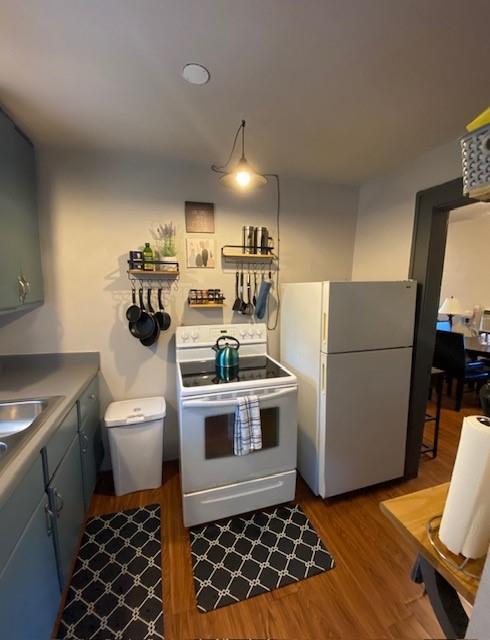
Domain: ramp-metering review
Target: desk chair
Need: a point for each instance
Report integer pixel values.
(450, 356)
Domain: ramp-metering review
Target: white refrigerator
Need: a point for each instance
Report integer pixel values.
(350, 346)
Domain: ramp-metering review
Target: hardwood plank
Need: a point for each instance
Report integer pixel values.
(369, 594)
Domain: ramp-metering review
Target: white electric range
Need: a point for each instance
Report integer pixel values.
(215, 482)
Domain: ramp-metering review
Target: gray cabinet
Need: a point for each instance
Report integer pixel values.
(29, 589)
(21, 281)
(41, 522)
(91, 447)
(67, 505)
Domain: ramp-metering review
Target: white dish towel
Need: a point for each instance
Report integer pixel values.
(247, 436)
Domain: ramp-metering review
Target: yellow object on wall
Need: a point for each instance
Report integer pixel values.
(479, 121)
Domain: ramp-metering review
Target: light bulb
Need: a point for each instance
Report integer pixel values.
(243, 178)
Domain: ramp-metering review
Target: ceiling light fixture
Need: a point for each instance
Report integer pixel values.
(195, 73)
(243, 177)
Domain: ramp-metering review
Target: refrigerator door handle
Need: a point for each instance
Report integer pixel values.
(324, 326)
(323, 377)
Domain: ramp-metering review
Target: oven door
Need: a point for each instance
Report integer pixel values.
(206, 439)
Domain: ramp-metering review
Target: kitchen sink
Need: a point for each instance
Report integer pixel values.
(18, 416)
(19, 419)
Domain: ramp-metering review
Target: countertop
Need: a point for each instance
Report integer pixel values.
(41, 376)
(410, 514)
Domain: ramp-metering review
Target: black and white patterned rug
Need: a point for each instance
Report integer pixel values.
(116, 587)
(246, 556)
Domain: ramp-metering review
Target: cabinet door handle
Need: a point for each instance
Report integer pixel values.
(60, 502)
(92, 396)
(49, 519)
(24, 288)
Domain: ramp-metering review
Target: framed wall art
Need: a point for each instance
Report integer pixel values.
(201, 253)
(199, 217)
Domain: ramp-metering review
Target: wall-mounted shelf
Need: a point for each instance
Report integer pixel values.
(161, 269)
(206, 305)
(153, 275)
(238, 253)
(205, 299)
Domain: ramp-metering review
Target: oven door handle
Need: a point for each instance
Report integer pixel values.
(205, 404)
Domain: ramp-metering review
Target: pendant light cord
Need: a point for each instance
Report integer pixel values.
(221, 169)
(273, 326)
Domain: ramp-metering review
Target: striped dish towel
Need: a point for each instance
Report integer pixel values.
(247, 435)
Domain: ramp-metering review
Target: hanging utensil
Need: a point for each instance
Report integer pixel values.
(249, 309)
(153, 337)
(145, 325)
(237, 305)
(260, 309)
(133, 312)
(161, 316)
(254, 299)
(243, 304)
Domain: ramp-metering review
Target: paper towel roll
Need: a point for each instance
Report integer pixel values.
(465, 524)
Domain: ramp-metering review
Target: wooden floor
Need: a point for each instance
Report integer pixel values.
(368, 595)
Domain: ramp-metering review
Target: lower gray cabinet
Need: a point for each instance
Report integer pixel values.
(66, 501)
(29, 589)
(92, 451)
(91, 446)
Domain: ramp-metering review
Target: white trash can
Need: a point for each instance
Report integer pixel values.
(135, 430)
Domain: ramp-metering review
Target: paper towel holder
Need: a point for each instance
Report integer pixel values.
(432, 528)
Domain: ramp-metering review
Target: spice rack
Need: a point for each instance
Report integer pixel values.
(205, 299)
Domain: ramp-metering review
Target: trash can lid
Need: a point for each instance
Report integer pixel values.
(135, 411)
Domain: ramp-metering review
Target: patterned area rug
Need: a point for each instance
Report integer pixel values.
(116, 587)
(246, 556)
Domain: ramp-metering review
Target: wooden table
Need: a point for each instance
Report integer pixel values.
(474, 347)
(410, 514)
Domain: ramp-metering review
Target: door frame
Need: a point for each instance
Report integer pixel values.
(432, 207)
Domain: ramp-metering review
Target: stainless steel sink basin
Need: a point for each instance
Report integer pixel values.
(18, 416)
(19, 420)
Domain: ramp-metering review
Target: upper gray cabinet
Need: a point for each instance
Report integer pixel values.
(21, 281)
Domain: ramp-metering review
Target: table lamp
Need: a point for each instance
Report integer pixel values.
(451, 307)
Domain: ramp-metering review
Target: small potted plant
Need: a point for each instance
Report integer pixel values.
(165, 236)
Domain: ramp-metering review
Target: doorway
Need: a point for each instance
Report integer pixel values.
(432, 208)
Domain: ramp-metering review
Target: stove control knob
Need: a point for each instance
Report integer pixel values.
(243, 333)
(194, 336)
(258, 333)
(251, 333)
(185, 337)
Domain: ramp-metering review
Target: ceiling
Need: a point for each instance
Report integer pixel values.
(340, 90)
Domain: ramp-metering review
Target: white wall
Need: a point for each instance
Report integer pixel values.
(97, 207)
(386, 213)
(466, 260)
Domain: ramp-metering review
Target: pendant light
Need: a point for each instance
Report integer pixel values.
(243, 176)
